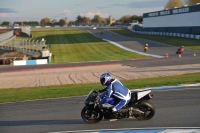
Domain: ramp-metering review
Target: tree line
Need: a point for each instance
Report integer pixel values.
(178, 3)
(98, 19)
(54, 22)
(80, 20)
(21, 23)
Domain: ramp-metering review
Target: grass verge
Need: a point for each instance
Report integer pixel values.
(73, 45)
(175, 41)
(22, 94)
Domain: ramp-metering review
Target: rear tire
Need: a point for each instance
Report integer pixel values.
(90, 115)
(148, 109)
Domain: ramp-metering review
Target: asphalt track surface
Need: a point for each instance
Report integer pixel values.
(174, 108)
(139, 43)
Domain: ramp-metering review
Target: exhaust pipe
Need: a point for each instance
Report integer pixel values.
(123, 111)
(131, 110)
(137, 112)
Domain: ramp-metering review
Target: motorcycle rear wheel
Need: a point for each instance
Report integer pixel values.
(90, 115)
(148, 109)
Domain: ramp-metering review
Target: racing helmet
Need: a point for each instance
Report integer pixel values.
(146, 44)
(105, 78)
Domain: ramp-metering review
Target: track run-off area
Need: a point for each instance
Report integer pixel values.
(177, 108)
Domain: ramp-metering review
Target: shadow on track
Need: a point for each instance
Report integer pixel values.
(41, 122)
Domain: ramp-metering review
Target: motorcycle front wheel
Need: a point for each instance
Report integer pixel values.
(148, 109)
(90, 115)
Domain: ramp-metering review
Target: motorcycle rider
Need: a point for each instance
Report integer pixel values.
(146, 47)
(115, 93)
(180, 50)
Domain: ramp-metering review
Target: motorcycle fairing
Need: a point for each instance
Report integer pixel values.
(89, 97)
(143, 92)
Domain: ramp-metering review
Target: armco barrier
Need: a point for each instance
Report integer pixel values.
(30, 62)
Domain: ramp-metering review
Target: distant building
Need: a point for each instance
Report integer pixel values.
(185, 16)
(111, 20)
(184, 20)
(16, 26)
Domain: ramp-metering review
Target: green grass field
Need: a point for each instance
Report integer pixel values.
(72, 45)
(175, 41)
(22, 94)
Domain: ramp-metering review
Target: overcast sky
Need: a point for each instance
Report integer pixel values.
(35, 10)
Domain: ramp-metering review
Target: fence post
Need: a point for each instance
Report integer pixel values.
(36, 45)
(26, 45)
(23, 46)
(33, 45)
(29, 46)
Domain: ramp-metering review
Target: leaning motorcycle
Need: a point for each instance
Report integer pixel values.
(139, 107)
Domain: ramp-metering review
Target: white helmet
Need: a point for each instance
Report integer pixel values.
(146, 44)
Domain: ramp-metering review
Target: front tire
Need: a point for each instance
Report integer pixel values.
(148, 109)
(90, 115)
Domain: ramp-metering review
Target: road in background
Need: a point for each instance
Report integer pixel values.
(138, 44)
(155, 48)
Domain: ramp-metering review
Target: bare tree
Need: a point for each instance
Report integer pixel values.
(174, 3)
(192, 2)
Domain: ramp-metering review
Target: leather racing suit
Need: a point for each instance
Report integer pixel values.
(118, 92)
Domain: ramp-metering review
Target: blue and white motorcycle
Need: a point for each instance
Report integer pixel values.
(139, 107)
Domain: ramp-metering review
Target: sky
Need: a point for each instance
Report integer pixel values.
(35, 10)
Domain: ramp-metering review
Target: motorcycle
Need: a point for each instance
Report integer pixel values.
(180, 51)
(138, 107)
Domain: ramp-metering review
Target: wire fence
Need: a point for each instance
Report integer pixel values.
(29, 47)
(8, 41)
